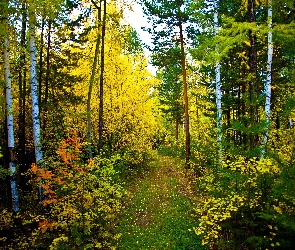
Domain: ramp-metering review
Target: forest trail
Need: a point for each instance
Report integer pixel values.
(158, 213)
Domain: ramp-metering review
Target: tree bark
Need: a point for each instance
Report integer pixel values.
(93, 72)
(46, 94)
(41, 59)
(218, 89)
(35, 103)
(187, 133)
(101, 81)
(10, 128)
(253, 86)
(267, 87)
(22, 93)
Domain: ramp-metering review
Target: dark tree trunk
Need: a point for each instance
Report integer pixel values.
(187, 134)
(22, 95)
(47, 64)
(93, 72)
(101, 81)
(253, 85)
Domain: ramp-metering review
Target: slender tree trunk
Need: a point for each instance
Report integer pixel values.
(253, 89)
(93, 72)
(101, 81)
(47, 64)
(10, 128)
(176, 128)
(218, 89)
(34, 96)
(267, 88)
(22, 93)
(41, 60)
(187, 133)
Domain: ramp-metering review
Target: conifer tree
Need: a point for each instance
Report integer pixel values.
(172, 16)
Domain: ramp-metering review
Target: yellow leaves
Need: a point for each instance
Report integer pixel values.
(6, 219)
(277, 209)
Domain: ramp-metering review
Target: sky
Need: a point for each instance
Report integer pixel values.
(136, 19)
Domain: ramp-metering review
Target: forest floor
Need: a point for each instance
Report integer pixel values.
(158, 211)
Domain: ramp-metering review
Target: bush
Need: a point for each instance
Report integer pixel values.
(82, 200)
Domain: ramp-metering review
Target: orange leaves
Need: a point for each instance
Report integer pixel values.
(62, 175)
(45, 224)
(41, 173)
(69, 150)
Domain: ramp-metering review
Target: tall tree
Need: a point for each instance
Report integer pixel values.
(218, 87)
(22, 75)
(10, 127)
(187, 133)
(93, 72)
(267, 87)
(101, 80)
(167, 17)
(34, 96)
(253, 83)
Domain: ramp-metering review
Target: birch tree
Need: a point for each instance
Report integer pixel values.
(267, 87)
(10, 128)
(34, 96)
(218, 86)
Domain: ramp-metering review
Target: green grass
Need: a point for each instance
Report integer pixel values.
(158, 212)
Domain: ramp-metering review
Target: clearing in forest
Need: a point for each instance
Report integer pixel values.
(158, 213)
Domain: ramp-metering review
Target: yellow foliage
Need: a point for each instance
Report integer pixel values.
(241, 190)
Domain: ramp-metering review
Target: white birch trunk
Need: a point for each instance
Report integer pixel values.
(218, 86)
(267, 87)
(35, 102)
(10, 128)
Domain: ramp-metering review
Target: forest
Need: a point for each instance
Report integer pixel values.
(98, 152)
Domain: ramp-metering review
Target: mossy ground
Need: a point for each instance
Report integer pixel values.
(158, 212)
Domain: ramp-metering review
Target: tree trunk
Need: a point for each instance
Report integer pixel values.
(253, 86)
(41, 59)
(268, 82)
(93, 72)
(34, 96)
(187, 134)
(10, 128)
(47, 65)
(218, 89)
(100, 132)
(22, 94)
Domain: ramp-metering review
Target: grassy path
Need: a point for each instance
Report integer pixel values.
(158, 212)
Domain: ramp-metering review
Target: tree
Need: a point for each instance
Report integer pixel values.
(171, 16)
(34, 96)
(93, 72)
(101, 80)
(10, 128)
(218, 87)
(267, 88)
